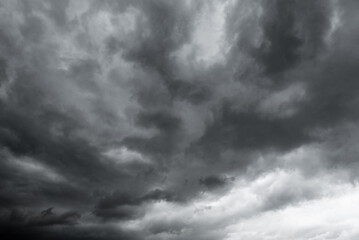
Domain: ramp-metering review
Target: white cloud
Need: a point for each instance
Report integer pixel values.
(124, 155)
(208, 45)
(307, 208)
(332, 217)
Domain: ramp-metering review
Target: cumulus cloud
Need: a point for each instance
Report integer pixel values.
(170, 119)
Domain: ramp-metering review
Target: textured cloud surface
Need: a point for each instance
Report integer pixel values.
(171, 119)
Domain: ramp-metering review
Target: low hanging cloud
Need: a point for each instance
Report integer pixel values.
(161, 119)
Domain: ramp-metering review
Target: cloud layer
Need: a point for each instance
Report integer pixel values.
(220, 119)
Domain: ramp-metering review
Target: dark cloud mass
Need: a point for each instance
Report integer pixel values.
(170, 119)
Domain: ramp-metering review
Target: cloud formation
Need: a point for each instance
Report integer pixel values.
(170, 119)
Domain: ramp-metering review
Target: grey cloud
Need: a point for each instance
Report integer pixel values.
(173, 228)
(168, 127)
(281, 198)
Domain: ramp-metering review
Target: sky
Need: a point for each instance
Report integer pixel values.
(179, 119)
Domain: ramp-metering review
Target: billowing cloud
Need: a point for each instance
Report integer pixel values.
(161, 119)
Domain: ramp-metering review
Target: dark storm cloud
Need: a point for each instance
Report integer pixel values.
(110, 119)
(127, 205)
(23, 223)
(35, 126)
(282, 51)
(48, 218)
(169, 28)
(212, 182)
(292, 30)
(11, 230)
(249, 130)
(295, 35)
(32, 137)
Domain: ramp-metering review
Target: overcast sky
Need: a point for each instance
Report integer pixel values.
(179, 119)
